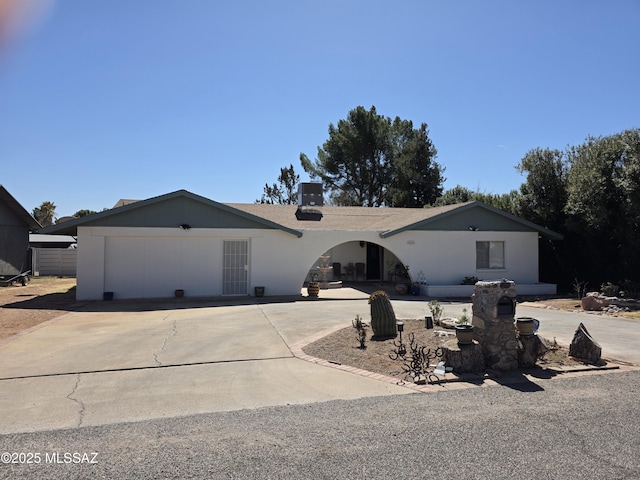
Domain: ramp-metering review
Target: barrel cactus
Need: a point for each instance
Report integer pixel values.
(383, 318)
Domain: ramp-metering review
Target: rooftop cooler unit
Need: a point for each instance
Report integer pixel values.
(310, 199)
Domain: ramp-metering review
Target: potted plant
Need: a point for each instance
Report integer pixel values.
(464, 329)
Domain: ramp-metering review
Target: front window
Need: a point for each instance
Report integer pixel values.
(489, 255)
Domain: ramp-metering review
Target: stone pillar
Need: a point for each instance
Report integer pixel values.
(494, 308)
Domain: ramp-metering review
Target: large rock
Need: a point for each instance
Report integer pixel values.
(584, 347)
(532, 349)
(594, 301)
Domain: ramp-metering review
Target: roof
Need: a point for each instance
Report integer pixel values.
(391, 221)
(385, 221)
(41, 238)
(111, 217)
(15, 207)
(124, 201)
(378, 219)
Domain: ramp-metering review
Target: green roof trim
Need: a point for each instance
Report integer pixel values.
(485, 218)
(171, 210)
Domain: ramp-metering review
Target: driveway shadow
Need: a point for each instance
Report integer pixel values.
(64, 301)
(517, 380)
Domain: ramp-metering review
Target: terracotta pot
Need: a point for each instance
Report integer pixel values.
(313, 289)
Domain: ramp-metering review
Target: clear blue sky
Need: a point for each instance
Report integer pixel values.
(109, 99)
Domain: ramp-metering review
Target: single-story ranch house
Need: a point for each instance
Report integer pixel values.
(181, 240)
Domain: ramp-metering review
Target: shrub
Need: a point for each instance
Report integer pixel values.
(436, 311)
(361, 327)
(609, 289)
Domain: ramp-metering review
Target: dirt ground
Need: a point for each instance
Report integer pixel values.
(380, 356)
(43, 298)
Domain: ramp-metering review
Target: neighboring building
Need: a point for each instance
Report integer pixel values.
(53, 255)
(181, 240)
(39, 240)
(15, 225)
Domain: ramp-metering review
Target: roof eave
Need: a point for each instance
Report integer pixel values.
(541, 230)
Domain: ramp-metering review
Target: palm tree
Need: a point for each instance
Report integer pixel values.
(45, 214)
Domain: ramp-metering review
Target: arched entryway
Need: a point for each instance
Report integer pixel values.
(359, 261)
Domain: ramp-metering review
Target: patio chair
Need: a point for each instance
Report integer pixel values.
(360, 271)
(350, 272)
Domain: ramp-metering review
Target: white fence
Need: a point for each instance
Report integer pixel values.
(60, 262)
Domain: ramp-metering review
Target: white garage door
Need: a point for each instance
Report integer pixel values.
(143, 267)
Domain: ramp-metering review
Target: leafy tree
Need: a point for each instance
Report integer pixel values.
(460, 194)
(370, 160)
(416, 178)
(45, 214)
(83, 213)
(283, 192)
(543, 196)
(542, 199)
(457, 194)
(603, 193)
(589, 193)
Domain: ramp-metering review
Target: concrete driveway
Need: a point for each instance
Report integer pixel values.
(141, 361)
(117, 362)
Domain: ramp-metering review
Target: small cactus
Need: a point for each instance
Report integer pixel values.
(383, 318)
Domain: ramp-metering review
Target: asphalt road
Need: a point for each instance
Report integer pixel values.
(580, 427)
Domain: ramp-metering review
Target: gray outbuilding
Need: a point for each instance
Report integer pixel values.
(15, 225)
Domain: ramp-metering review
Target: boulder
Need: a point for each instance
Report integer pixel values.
(531, 348)
(584, 347)
(593, 301)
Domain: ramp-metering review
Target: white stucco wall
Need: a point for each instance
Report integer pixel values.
(447, 257)
(192, 259)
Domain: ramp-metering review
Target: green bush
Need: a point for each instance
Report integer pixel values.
(609, 289)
